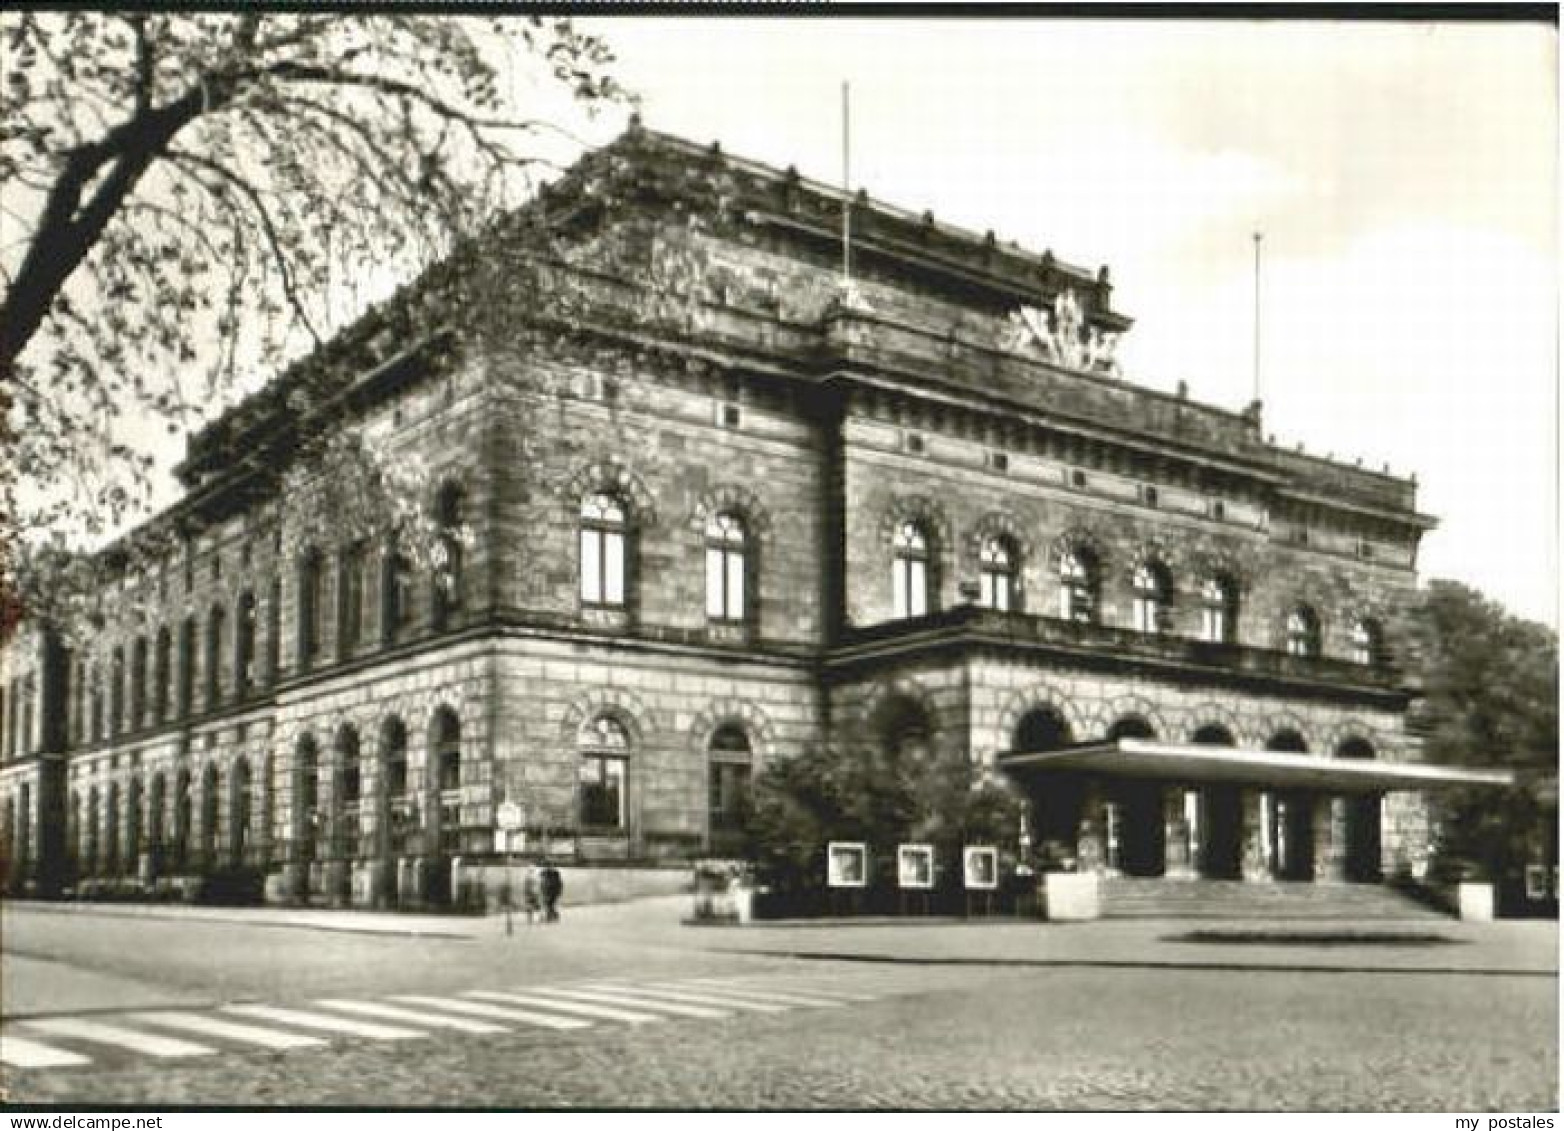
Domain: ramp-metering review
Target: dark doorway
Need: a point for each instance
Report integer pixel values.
(1219, 836)
(1136, 834)
(1363, 816)
(1055, 798)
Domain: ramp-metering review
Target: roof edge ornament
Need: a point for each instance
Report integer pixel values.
(1060, 334)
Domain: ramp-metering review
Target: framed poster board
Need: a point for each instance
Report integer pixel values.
(980, 868)
(846, 864)
(915, 866)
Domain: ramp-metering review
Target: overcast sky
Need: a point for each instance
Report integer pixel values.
(1404, 176)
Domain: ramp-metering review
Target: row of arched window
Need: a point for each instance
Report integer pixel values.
(109, 828)
(913, 588)
(605, 546)
(157, 684)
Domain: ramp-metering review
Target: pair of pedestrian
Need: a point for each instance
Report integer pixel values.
(541, 888)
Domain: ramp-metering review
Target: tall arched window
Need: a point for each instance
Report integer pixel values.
(181, 841)
(214, 657)
(997, 574)
(241, 815)
(1078, 585)
(111, 830)
(347, 793)
(138, 683)
(726, 567)
(448, 573)
(95, 707)
(603, 542)
(29, 699)
(604, 747)
(273, 633)
(396, 596)
(157, 798)
(910, 570)
(398, 816)
(731, 765)
(244, 645)
(1367, 642)
(187, 635)
(1303, 632)
(448, 780)
(116, 692)
(350, 598)
(306, 800)
(1218, 609)
(211, 793)
(133, 841)
(1151, 605)
(311, 602)
(162, 662)
(91, 858)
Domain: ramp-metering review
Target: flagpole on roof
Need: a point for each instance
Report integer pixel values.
(847, 199)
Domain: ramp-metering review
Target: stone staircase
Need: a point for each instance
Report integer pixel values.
(1126, 898)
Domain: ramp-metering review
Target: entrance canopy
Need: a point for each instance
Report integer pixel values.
(1173, 761)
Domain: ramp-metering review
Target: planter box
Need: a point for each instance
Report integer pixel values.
(1475, 902)
(1070, 897)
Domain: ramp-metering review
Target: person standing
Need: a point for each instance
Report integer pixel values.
(552, 888)
(530, 900)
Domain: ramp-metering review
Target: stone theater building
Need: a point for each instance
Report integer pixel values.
(704, 506)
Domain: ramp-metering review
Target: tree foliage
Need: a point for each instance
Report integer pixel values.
(883, 795)
(183, 190)
(1491, 686)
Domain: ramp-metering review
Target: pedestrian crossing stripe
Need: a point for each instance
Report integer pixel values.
(19, 1052)
(635, 1001)
(396, 1013)
(577, 1005)
(500, 1012)
(209, 1026)
(98, 1032)
(640, 991)
(545, 999)
(325, 1021)
(808, 1002)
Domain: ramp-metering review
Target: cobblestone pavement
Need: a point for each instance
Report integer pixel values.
(965, 1038)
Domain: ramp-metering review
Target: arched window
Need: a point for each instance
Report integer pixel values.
(347, 793)
(603, 535)
(350, 598)
(1151, 606)
(133, 842)
(731, 765)
(997, 574)
(1287, 741)
(273, 633)
(241, 815)
(448, 571)
(448, 767)
(214, 655)
(1218, 610)
(95, 707)
(1367, 642)
(162, 662)
(1303, 632)
(726, 567)
(396, 595)
(604, 747)
(1213, 734)
(182, 813)
(138, 683)
(910, 571)
(187, 635)
(1131, 726)
(157, 798)
(111, 830)
(306, 800)
(116, 693)
(398, 816)
(244, 645)
(1078, 586)
(29, 698)
(211, 792)
(311, 602)
(91, 859)
(1041, 729)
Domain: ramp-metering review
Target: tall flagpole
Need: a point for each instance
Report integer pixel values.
(1257, 238)
(847, 199)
